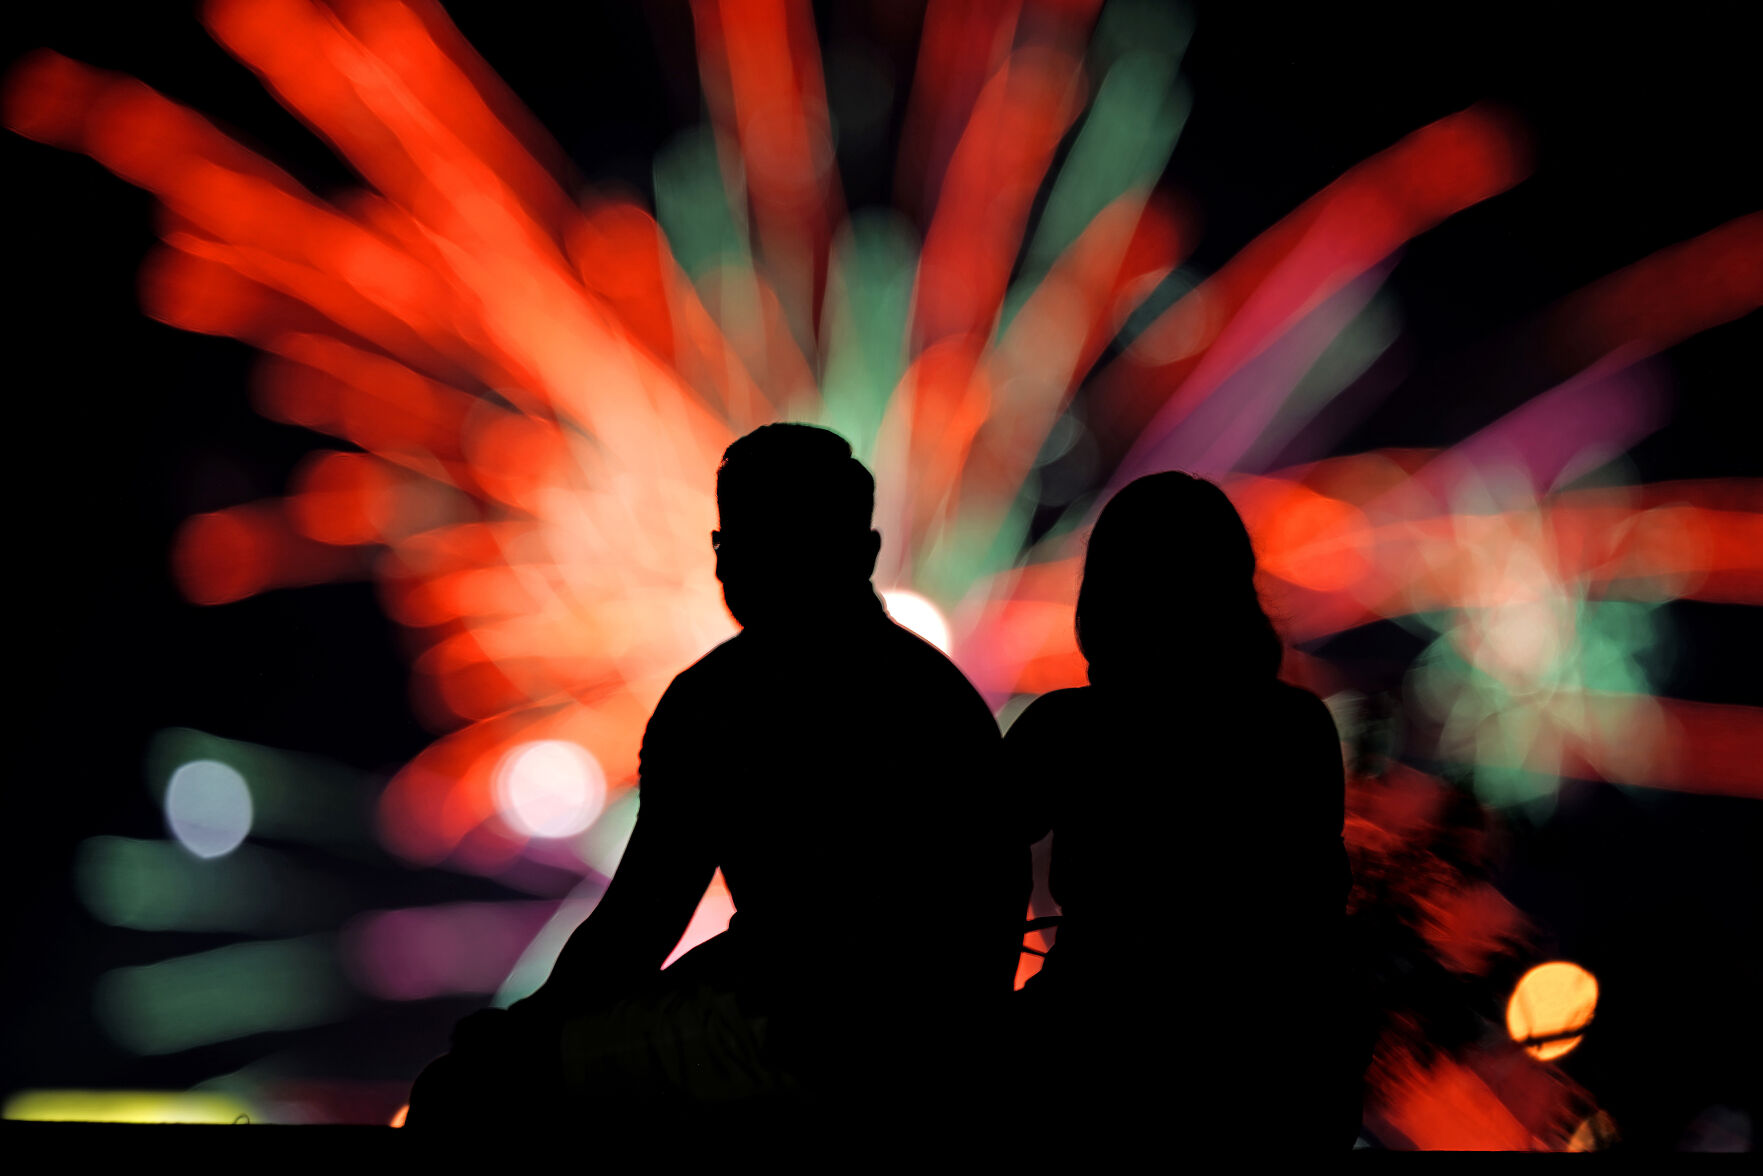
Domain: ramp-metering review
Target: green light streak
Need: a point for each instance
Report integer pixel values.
(1137, 26)
(968, 548)
(693, 206)
(1501, 730)
(535, 963)
(223, 994)
(1122, 147)
(601, 847)
(1127, 135)
(160, 886)
(868, 299)
(1125, 142)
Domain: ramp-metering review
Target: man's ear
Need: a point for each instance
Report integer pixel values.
(715, 540)
(873, 551)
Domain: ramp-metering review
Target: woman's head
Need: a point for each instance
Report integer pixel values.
(1169, 588)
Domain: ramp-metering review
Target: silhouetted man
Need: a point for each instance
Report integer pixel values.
(842, 773)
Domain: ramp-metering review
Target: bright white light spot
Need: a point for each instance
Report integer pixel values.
(208, 808)
(550, 788)
(1523, 641)
(914, 612)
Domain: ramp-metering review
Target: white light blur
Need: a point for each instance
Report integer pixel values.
(550, 788)
(914, 612)
(208, 808)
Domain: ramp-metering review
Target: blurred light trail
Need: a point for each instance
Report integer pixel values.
(157, 886)
(1597, 1133)
(293, 797)
(418, 953)
(125, 1106)
(761, 67)
(1339, 234)
(218, 995)
(533, 967)
(1214, 438)
(1667, 296)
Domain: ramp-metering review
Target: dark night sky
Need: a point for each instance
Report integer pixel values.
(121, 427)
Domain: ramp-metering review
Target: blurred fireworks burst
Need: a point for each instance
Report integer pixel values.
(533, 382)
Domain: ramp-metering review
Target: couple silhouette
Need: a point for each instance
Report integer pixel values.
(874, 830)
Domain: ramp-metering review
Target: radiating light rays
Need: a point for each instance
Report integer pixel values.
(868, 306)
(1126, 134)
(1343, 231)
(463, 308)
(762, 81)
(961, 46)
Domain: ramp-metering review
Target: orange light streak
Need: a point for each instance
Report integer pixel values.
(1665, 297)
(775, 108)
(1055, 337)
(962, 45)
(991, 183)
(230, 554)
(1449, 1107)
(377, 403)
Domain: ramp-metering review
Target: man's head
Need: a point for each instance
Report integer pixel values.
(795, 509)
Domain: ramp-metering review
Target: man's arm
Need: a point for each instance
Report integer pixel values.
(646, 908)
(665, 868)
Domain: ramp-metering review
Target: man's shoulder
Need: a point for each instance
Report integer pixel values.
(927, 666)
(708, 675)
(723, 656)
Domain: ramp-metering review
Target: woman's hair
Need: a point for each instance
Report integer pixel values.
(1169, 588)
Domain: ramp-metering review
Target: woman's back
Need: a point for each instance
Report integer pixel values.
(1176, 812)
(1198, 864)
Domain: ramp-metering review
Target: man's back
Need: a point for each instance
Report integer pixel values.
(844, 775)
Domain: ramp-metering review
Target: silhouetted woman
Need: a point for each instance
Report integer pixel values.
(1196, 805)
